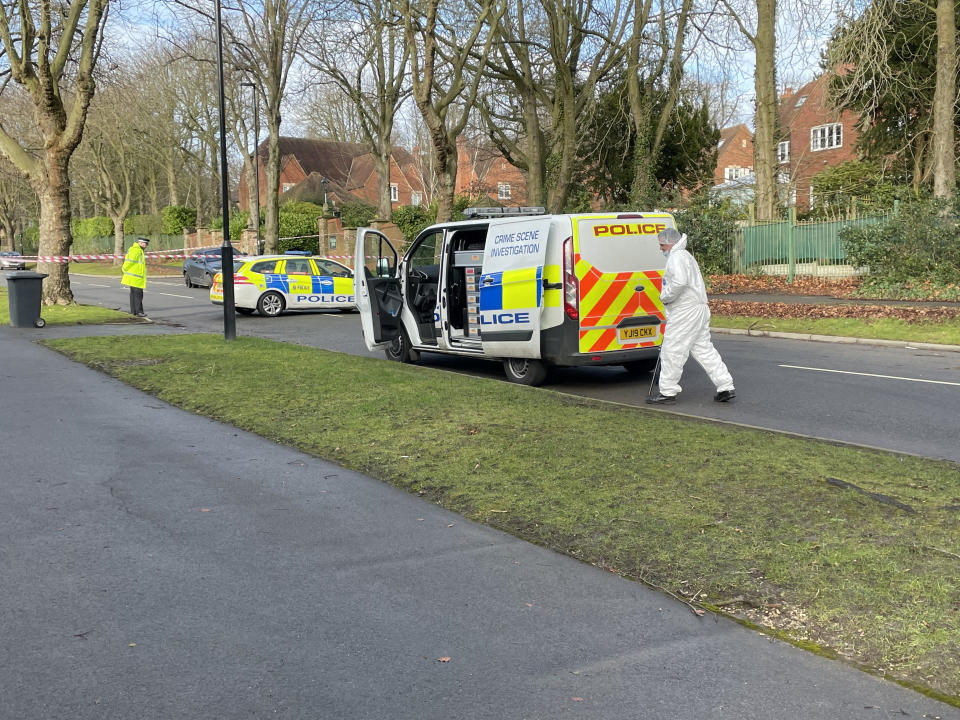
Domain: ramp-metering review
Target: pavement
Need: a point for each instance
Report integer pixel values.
(157, 564)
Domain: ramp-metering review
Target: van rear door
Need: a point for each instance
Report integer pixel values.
(619, 270)
(377, 284)
(511, 286)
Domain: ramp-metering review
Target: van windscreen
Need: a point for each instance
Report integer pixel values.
(622, 244)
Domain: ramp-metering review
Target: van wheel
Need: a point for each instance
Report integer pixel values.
(400, 351)
(270, 304)
(640, 367)
(525, 371)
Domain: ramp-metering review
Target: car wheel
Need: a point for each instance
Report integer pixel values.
(244, 311)
(525, 371)
(270, 304)
(187, 281)
(209, 278)
(400, 351)
(640, 367)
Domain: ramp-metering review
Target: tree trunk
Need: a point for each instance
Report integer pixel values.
(944, 96)
(445, 174)
(765, 137)
(117, 237)
(56, 239)
(381, 163)
(271, 234)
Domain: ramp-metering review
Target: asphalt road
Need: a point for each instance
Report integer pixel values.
(898, 399)
(157, 565)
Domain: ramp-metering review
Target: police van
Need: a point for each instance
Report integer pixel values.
(519, 286)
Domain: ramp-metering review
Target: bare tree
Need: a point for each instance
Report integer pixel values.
(51, 52)
(17, 203)
(443, 86)
(757, 22)
(945, 101)
(547, 61)
(883, 59)
(362, 51)
(643, 81)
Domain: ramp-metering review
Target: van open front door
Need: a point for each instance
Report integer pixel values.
(511, 287)
(377, 286)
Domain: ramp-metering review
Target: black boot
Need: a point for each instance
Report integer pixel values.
(725, 396)
(661, 399)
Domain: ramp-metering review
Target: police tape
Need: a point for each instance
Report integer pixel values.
(157, 256)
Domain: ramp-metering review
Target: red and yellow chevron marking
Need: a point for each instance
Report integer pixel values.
(608, 298)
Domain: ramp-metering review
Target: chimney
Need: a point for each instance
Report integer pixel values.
(787, 92)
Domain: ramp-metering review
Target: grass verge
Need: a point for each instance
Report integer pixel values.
(69, 314)
(947, 332)
(852, 550)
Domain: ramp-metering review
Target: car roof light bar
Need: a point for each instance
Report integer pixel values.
(495, 212)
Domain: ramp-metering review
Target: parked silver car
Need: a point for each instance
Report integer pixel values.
(10, 260)
(200, 267)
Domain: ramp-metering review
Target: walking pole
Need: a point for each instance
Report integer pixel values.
(653, 378)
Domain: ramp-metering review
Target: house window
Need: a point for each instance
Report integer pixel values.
(825, 137)
(734, 173)
(783, 178)
(333, 242)
(394, 192)
(783, 151)
(416, 198)
(720, 144)
(800, 101)
(503, 191)
(286, 186)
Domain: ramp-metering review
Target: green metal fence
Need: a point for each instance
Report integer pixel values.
(104, 245)
(791, 248)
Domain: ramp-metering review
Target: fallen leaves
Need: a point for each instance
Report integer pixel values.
(444, 659)
(841, 310)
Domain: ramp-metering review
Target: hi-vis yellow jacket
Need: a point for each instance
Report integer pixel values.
(135, 268)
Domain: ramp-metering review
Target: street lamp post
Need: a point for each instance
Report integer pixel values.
(255, 210)
(226, 249)
(324, 232)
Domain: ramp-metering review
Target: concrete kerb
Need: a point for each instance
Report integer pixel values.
(837, 339)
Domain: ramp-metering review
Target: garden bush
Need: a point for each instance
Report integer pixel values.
(711, 227)
(920, 243)
(174, 218)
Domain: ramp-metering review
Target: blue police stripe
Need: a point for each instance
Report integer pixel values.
(540, 286)
(321, 284)
(278, 282)
(491, 296)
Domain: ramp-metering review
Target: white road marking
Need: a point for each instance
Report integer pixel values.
(188, 297)
(884, 377)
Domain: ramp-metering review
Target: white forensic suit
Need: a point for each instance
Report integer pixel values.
(687, 332)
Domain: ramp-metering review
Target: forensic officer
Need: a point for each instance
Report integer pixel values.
(684, 297)
(135, 275)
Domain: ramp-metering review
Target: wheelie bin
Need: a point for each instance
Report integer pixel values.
(25, 292)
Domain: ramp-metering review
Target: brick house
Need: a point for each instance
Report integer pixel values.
(814, 137)
(348, 167)
(481, 170)
(352, 177)
(734, 154)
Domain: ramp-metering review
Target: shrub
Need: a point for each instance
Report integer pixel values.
(94, 227)
(411, 219)
(174, 218)
(357, 214)
(711, 227)
(920, 243)
(143, 225)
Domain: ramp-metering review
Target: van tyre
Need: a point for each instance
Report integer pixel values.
(270, 304)
(400, 351)
(525, 371)
(640, 367)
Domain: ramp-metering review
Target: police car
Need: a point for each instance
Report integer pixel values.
(272, 284)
